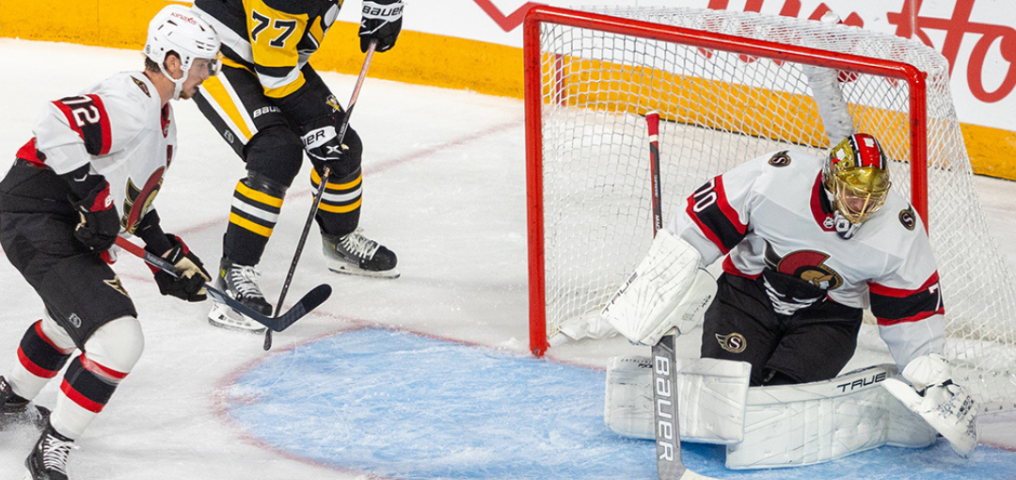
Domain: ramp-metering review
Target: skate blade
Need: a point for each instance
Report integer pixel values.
(226, 318)
(347, 269)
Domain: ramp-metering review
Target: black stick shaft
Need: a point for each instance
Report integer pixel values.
(321, 188)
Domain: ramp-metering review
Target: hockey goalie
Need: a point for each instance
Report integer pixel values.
(807, 243)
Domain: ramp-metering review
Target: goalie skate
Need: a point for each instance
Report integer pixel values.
(355, 254)
(15, 410)
(240, 283)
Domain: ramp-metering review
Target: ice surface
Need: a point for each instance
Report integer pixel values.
(444, 187)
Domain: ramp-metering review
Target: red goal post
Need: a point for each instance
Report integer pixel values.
(534, 98)
(591, 76)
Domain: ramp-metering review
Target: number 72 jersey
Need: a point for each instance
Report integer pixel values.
(119, 129)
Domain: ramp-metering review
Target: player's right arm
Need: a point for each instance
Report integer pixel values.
(71, 133)
(716, 215)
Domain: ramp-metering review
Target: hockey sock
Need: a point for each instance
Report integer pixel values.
(257, 202)
(339, 212)
(40, 358)
(85, 391)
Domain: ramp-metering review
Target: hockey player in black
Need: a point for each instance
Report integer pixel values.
(271, 107)
(91, 173)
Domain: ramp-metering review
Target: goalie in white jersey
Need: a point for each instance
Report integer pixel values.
(90, 173)
(808, 243)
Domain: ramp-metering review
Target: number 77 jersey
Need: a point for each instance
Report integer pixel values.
(272, 38)
(773, 212)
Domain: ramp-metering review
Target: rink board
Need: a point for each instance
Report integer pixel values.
(399, 405)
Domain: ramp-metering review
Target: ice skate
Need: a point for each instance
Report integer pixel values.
(240, 282)
(355, 254)
(48, 460)
(15, 410)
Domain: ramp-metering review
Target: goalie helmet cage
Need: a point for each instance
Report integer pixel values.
(731, 86)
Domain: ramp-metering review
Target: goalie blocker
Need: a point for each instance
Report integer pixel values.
(669, 292)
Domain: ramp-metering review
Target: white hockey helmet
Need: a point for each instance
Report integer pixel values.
(177, 29)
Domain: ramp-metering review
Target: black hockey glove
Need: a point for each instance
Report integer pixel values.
(190, 285)
(382, 21)
(100, 224)
(323, 146)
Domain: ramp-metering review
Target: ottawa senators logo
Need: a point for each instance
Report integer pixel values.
(139, 200)
(780, 159)
(907, 218)
(733, 343)
(807, 265)
(142, 86)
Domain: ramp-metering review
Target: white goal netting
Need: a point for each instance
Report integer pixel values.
(721, 108)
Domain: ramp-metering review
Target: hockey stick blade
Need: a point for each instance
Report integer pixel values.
(309, 302)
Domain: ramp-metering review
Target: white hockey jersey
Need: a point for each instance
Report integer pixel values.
(773, 212)
(118, 128)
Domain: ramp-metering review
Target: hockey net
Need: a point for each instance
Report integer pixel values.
(731, 86)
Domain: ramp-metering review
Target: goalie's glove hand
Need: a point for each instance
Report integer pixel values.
(190, 284)
(100, 224)
(381, 21)
(946, 406)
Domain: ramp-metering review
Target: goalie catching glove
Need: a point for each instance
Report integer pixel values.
(669, 290)
(190, 284)
(947, 407)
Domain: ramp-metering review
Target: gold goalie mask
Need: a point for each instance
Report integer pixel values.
(857, 175)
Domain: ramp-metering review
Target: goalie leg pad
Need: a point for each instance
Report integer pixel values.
(777, 426)
(669, 289)
(805, 424)
(712, 395)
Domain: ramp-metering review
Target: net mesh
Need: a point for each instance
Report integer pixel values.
(723, 108)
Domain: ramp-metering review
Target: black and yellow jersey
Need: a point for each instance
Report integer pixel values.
(272, 38)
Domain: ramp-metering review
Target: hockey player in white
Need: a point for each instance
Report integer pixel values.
(807, 243)
(90, 174)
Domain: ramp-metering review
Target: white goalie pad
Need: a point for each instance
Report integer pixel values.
(718, 388)
(765, 427)
(668, 290)
(795, 425)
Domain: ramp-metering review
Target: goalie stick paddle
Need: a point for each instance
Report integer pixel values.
(321, 185)
(309, 302)
(666, 425)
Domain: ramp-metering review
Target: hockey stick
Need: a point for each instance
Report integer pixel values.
(667, 428)
(321, 185)
(309, 302)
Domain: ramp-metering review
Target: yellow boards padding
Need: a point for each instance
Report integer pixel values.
(437, 60)
(731, 107)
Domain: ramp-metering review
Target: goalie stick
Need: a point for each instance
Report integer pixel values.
(666, 427)
(309, 302)
(321, 185)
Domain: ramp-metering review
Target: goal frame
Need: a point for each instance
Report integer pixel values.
(533, 90)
